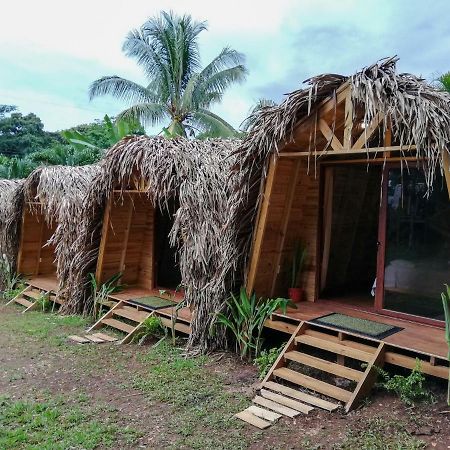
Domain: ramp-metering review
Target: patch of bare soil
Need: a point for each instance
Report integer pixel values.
(102, 374)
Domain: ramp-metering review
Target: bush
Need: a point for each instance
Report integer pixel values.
(410, 389)
(266, 360)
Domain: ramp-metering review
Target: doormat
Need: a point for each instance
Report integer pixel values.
(365, 327)
(153, 302)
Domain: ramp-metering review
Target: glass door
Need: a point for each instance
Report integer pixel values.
(414, 245)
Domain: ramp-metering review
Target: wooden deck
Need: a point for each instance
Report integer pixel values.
(425, 341)
(44, 282)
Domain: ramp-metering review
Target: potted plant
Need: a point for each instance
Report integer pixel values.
(295, 291)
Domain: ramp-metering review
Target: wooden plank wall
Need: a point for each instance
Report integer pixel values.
(303, 225)
(128, 246)
(33, 257)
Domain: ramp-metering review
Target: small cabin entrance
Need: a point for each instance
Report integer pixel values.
(385, 242)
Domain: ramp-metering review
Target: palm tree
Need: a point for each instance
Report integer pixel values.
(178, 90)
(443, 82)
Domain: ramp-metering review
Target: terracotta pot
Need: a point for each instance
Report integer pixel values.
(295, 294)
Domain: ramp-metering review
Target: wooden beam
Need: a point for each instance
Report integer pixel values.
(285, 223)
(446, 164)
(348, 126)
(126, 237)
(394, 148)
(330, 136)
(101, 251)
(368, 132)
(261, 227)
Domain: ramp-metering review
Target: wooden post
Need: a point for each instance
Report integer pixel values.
(285, 223)
(348, 121)
(126, 237)
(101, 251)
(261, 227)
(446, 164)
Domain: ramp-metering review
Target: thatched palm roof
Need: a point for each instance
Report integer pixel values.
(8, 235)
(60, 191)
(198, 173)
(418, 113)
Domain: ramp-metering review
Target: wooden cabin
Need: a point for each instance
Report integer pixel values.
(373, 212)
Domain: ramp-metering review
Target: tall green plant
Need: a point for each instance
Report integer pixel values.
(298, 264)
(245, 319)
(101, 292)
(446, 304)
(11, 281)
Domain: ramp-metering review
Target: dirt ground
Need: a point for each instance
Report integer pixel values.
(153, 397)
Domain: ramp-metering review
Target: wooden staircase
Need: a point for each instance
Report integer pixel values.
(29, 297)
(128, 318)
(323, 364)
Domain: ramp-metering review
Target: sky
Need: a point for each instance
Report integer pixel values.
(51, 51)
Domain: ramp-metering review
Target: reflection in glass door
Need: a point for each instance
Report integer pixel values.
(415, 258)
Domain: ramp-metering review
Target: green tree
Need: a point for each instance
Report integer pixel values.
(178, 90)
(66, 155)
(16, 167)
(20, 135)
(443, 82)
(6, 109)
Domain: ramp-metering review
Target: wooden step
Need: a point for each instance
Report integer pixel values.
(302, 396)
(313, 384)
(334, 347)
(33, 294)
(280, 409)
(131, 314)
(105, 337)
(250, 418)
(264, 413)
(286, 401)
(347, 342)
(324, 365)
(280, 325)
(24, 302)
(181, 327)
(122, 326)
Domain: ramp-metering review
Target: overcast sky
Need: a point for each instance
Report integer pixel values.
(50, 51)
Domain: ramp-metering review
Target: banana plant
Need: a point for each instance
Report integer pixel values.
(446, 303)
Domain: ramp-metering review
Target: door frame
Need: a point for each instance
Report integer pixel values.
(381, 258)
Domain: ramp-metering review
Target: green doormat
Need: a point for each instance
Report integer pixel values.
(152, 302)
(365, 327)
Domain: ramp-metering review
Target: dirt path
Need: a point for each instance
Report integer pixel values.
(154, 398)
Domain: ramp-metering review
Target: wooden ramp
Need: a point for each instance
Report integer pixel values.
(128, 318)
(317, 369)
(30, 297)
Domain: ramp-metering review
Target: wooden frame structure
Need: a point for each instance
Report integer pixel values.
(292, 208)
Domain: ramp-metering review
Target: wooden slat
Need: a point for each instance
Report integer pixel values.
(330, 136)
(105, 337)
(346, 342)
(24, 302)
(122, 326)
(286, 401)
(264, 413)
(368, 131)
(280, 325)
(94, 339)
(393, 148)
(33, 294)
(334, 347)
(280, 409)
(78, 339)
(324, 365)
(131, 314)
(446, 166)
(302, 396)
(368, 380)
(261, 226)
(250, 418)
(409, 363)
(107, 315)
(178, 326)
(313, 384)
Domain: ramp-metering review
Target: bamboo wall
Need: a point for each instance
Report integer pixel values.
(293, 215)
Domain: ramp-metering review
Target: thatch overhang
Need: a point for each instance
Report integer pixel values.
(58, 192)
(8, 234)
(197, 172)
(380, 100)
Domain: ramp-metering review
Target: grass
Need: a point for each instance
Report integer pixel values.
(197, 396)
(55, 424)
(380, 434)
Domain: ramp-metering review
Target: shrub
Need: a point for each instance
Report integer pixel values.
(266, 360)
(151, 326)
